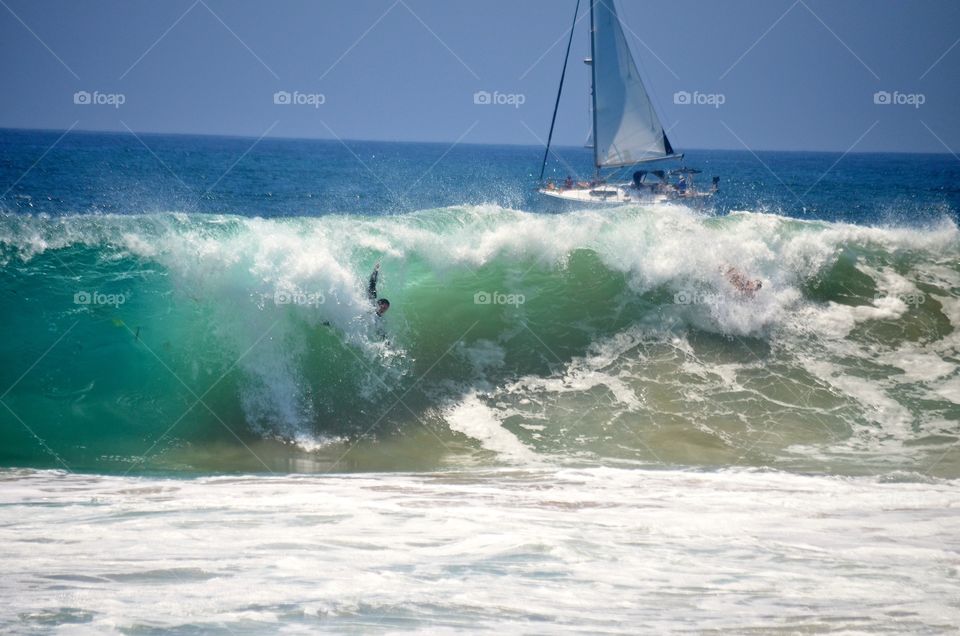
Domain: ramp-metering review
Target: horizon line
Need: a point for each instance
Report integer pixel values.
(447, 142)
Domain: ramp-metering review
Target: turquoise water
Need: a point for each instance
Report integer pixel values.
(630, 344)
(572, 401)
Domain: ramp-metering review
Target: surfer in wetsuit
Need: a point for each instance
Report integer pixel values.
(382, 304)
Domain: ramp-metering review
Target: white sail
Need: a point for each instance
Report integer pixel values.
(627, 129)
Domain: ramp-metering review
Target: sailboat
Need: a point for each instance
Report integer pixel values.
(627, 134)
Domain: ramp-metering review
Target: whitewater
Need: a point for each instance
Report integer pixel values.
(569, 420)
(615, 551)
(630, 343)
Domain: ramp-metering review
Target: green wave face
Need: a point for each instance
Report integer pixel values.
(191, 342)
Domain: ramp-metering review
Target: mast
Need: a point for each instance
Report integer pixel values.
(593, 87)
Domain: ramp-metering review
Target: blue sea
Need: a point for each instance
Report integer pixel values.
(570, 420)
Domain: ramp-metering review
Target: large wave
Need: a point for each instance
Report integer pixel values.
(611, 334)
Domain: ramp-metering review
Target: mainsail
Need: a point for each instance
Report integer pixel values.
(626, 128)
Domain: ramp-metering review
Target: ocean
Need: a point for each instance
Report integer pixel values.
(569, 420)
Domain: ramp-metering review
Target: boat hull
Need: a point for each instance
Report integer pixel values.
(617, 195)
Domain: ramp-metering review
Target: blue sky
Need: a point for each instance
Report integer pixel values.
(791, 74)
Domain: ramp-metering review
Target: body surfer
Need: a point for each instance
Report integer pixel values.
(381, 305)
(743, 284)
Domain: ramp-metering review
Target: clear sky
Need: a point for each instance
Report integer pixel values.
(791, 74)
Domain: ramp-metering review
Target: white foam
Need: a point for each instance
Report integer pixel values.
(916, 364)
(588, 550)
(474, 419)
(949, 389)
(893, 417)
(235, 266)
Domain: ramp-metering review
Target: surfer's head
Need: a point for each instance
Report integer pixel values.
(382, 306)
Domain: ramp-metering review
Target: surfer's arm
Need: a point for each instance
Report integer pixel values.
(372, 287)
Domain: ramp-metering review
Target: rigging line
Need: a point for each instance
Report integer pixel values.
(556, 105)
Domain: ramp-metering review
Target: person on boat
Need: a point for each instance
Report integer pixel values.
(381, 304)
(742, 284)
(551, 185)
(568, 183)
(638, 179)
(682, 185)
